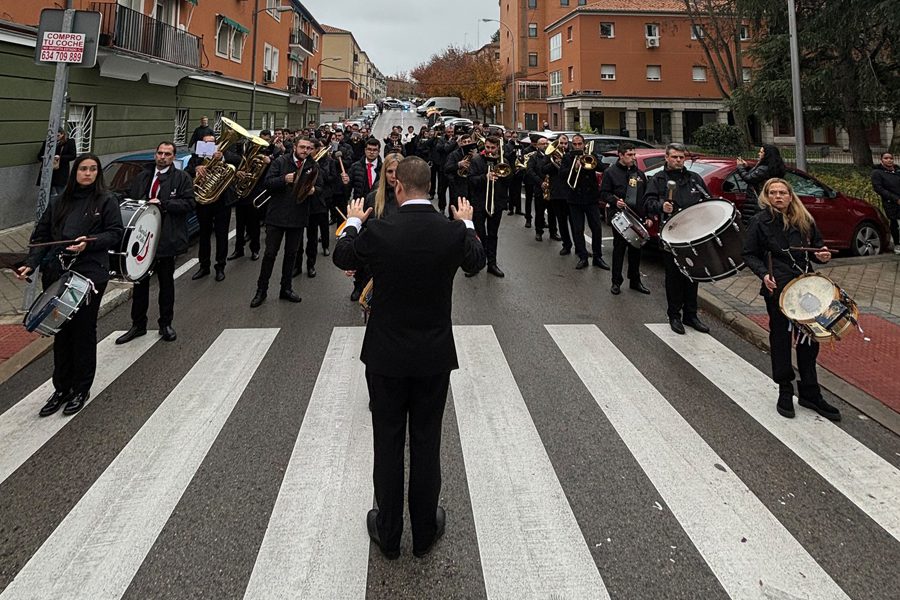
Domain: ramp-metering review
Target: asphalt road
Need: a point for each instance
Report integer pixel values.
(591, 456)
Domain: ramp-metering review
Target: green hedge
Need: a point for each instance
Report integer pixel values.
(848, 179)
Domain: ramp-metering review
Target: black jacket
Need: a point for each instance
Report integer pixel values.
(359, 178)
(478, 187)
(424, 148)
(329, 171)
(689, 190)
(283, 210)
(459, 186)
(442, 148)
(390, 204)
(766, 235)
(624, 183)
(413, 257)
(587, 190)
(756, 178)
(199, 133)
(887, 185)
(67, 153)
(176, 198)
(103, 221)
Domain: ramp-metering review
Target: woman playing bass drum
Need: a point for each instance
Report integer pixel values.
(784, 223)
(85, 210)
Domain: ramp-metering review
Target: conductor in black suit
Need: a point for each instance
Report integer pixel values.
(408, 348)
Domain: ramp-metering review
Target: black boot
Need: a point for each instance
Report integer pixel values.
(811, 398)
(785, 404)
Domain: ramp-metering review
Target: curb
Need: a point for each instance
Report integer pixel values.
(756, 335)
(115, 297)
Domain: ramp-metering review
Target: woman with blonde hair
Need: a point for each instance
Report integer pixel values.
(782, 224)
(382, 199)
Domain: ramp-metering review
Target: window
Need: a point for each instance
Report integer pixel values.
(217, 123)
(569, 33)
(80, 126)
(571, 73)
(654, 72)
(745, 74)
(229, 40)
(233, 115)
(532, 30)
(181, 125)
(270, 63)
(697, 32)
(237, 45)
(532, 90)
(532, 3)
(745, 33)
(651, 29)
(315, 41)
(556, 47)
(556, 83)
(582, 2)
(271, 5)
(733, 184)
(532, 59)
(313, 79)
(223, 38)
(607, 30)
(608, 72)
(805, 186)
(563, 2)
(698, 73)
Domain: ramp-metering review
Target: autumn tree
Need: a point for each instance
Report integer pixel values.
(471, 76)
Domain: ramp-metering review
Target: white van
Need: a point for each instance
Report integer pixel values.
(448, 106)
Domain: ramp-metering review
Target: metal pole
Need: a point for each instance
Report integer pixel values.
(799, 131)
(253, 66)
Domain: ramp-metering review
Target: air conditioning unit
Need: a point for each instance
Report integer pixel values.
(653, 41)
(268, 76)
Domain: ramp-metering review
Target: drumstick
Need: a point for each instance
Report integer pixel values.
(343, 216)
(60, 243)
(805, 249)
(771, 268)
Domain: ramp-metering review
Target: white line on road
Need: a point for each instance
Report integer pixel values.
(862, 476)
(187, 266)
(748, 549)
(99, 546)
(530, 543)
(22, 432)
(316, 545)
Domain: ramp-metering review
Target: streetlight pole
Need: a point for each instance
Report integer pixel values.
(515, 91)
(799, 130)
(255, 24)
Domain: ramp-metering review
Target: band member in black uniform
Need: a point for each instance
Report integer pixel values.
(362, 179)
(292, 180)
(584, 204)
(542, 200)
(443, 147)
(216, 216)
(515, 150)
(317, 227)
(173, 191)
(623, 188)
(552, 183)
(456, 167)
(84, 209)
(246, 215)
(394, 145)
(664, 199)
(348, 152)
(488, 204)
(784, 223)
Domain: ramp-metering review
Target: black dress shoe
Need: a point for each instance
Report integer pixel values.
(697, 324)
(53, 404)
(201, 273)
(639, 287)
(785, 405)
(290, 296)
(440, 519)
(822, 407)
(258, 299)
(471, 274)
(220, 273)
(676, 325)
(555, 237)
(132, 333)
(355, 294)
(254, 256)
(168, 333)
(76, 403)
(565, 252)
(539, 237)
(615, 289)
(325, 252)
(582, 264)
(599, 262)
(495, 271)
(527, 223)
(372, 527)
(235, 255)
(310, 271)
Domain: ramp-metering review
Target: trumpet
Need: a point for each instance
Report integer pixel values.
(502, 170)
(522, 161)
(554, 152)
(586, 161)
(470, 150)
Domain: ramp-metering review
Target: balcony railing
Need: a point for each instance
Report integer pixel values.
(300, 85)
(131, 30)
(302, 40)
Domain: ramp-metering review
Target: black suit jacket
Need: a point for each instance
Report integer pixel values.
(283, 210)
(413, 257)
(176, 202)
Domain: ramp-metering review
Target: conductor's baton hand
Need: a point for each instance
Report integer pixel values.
(357, 209)
(464, 211)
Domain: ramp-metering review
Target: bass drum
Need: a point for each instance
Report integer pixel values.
(58, 303)
(134, 259)
(818, 307)
(706, 240)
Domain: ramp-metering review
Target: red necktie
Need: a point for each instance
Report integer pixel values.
(154, 189)
(371, 173)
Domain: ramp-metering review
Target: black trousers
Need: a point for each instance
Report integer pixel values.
(75, 347)
(434, 180)
(316, 229)
(620, 248)
(780, 342)
(487, 228)
(515, 193)
(541, 221)
(419, 403)
(164, 267)
(213, 218)
(274, 235)
(895, 229)
(578, 213)
(561, 215)
(246, 224)
(529, 198)
(681, 292)
(443, 186)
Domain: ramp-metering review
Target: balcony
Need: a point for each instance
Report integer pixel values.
(133, 31)
(302, 41)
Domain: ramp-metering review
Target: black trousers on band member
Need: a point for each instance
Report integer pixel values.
(246, 223)
(75, 347)
(620, 248)
(164, 267)
(780, 342)
(213, 218)
(561, 215)
(396, 401)
(578, 214)
(274, 235)
(542, 206)
(487, 228)
(681, 292)
(316, 229)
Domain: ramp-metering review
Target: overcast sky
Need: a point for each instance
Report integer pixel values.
(399, 34)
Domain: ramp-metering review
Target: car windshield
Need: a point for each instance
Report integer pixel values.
(702, 169)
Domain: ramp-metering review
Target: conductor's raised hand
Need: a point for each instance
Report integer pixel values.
(357, 209)
(464, 211)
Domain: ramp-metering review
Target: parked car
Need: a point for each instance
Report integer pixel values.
(392, 104)
(602, 143)
(846, 223)
(120, 173)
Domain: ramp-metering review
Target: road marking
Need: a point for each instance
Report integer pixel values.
(232, 234)
(99, 546)
(866, 479)
(746, 547)
(186, 267)
(530, 543)
(316, 545)
(23, 432)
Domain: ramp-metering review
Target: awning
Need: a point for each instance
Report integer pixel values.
(234, 24)
(194, 2)
(295, 56)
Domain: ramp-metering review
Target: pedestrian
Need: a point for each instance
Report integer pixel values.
(886, 182)
(769, 164)
(408, 347)
(85, 209)
(200, 132)
(65, 154)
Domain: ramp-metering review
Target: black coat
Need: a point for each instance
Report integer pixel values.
(67, 153)
(766, 235)
(390, 203)
(199, 133)
(559, 189)
(424, 148)
(689, 190)
(283, 210)
(329, 171)
(359, 178)
(102, 221)
(176, 201)
(443, 147)
(621, 183)
(756, 178)
(587, 190)
(478, 187)
(887, 185)
(413, 258)
(459, 186)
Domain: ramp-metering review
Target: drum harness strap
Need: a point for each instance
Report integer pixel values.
(66, 262)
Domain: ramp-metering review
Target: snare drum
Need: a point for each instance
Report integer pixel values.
(706, 240)
(134, 259)
(58, 303)
(630, 228)
(818, 306)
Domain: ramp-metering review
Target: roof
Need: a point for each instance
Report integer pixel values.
(330, 29)
(636, 5)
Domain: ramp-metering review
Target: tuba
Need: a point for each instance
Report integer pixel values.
(252, 167)
(219, 174)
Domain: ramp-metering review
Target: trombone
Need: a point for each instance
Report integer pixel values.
(501, 169)
(586, 161)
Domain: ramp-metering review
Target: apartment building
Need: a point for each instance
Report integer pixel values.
(350, 79)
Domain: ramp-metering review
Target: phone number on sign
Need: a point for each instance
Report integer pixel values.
(73, 56)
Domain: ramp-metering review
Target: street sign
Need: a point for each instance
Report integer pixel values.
(57, 46)
(64, 46)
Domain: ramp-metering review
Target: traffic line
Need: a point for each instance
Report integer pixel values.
(187, 266)
(23, 432)
(99, 546)
(529, 540)
(866, 479)
(745, 546)
(316, 545)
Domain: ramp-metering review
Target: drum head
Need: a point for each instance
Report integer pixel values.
(805, 298)
(141, 241)
(698, 221)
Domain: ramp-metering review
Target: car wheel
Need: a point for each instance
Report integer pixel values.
(866, 240)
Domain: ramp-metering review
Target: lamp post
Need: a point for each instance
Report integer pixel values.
(515, 90)
(319, 76)
(256, 11)
(799, 130)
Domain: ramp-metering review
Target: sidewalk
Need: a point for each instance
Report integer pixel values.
(869, 361)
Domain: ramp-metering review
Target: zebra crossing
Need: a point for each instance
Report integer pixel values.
(530, 542)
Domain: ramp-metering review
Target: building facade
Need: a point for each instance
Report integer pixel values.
(350, 80)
